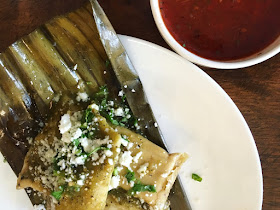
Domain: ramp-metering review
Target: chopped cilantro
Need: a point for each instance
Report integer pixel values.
(97, 149)
(87, 116)
(55, 163)
(102, 93)
(139, 187)
(76, 142)
(89, 83)
(57, 194)
(4, 161)
(123, 97)
(196, 177)
(184, 45)
(107, 108)
(130, 176)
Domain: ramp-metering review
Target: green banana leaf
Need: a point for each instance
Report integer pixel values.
(63, 55)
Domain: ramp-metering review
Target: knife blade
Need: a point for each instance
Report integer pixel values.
(135, 95)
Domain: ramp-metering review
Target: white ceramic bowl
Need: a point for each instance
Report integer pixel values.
(256, 58)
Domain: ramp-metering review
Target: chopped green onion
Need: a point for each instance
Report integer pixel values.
(196, 177)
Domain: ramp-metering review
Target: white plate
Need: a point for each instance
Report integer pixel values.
(196, 116)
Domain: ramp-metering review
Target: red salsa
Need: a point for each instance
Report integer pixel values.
(222, 29)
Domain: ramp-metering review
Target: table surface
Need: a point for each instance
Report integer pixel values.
(255, 90)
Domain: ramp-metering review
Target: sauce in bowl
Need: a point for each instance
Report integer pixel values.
(222, 30)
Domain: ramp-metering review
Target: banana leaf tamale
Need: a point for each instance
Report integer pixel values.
(65, 54)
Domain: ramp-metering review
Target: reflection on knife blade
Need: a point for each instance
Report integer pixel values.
(128, 78)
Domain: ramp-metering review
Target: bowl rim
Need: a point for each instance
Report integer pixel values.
(234, 64)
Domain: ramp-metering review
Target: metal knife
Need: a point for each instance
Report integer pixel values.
(135, 95)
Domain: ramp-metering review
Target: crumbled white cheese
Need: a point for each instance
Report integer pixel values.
(77, 134)
(120, 93)
(75, 67)
(115, 181)
(137, 126)
(39, 207)
(80, 182)
(125, 86)
(119, 112)
(124, 142)
(94, 106)
(29, 139)
(108, 153)
(65, 123)
(137, 156)
(133, 91)
(62, 164)
(82, 97)
(78, 160)
(111, 103)
(164, 175)
(131, 183)
(155, 124)
(85, 144)
(130, 145)
(126, 159)
(142, 171)
(110, 161)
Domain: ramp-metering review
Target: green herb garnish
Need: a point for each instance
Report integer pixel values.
(57, 194)
(125, 137)
(102, 93)
(107, 107)
(89, 83)
(76, 142)
(184, 45)
(87, 116)
(115, 172)
(97, 149)
(130, 176)
(196, 177)
(139, 187)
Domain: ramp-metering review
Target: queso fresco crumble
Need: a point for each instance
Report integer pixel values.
(64, 168)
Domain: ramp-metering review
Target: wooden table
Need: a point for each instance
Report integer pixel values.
(255, 90)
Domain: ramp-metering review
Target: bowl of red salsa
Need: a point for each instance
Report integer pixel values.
(224, 34)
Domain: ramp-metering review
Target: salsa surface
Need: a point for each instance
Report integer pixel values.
(222, 29)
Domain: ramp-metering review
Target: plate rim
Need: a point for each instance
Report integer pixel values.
(221, 91)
